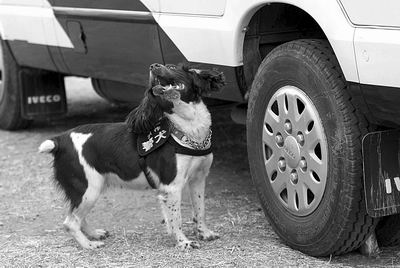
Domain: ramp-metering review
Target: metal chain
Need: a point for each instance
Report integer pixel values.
(199, 145)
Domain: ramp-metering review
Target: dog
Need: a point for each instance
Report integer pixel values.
(138, 154)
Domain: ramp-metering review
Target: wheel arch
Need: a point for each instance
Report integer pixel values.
(332, 26)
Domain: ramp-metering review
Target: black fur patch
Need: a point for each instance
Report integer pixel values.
(144, 117)
(110, 149)
(68, 172)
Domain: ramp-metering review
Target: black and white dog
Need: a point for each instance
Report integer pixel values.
(142, 153)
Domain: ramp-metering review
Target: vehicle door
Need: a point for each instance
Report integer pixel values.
(113, 39)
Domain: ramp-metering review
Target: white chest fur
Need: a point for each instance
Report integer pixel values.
(193, 119)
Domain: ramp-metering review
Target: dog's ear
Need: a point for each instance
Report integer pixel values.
(208, 81)
(143, 118)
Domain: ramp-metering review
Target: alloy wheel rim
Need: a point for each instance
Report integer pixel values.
(1, 72)
(295, 150)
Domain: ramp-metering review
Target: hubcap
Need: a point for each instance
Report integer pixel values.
(1, 72)
(291, 151)
(295, 150)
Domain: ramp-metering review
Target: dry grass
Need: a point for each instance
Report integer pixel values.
(31, 213)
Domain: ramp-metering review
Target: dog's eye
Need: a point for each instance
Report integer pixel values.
(171, 67)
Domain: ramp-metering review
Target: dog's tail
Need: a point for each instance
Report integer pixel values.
(48, 146)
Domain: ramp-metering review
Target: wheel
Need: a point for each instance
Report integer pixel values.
(304, 148)
(10, 91)
(97, 86)
(388, 231)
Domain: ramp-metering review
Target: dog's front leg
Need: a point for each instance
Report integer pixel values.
(197, 188)
(170, 199)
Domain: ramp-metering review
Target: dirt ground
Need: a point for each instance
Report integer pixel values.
(32, 211)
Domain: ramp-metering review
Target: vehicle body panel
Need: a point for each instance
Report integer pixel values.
(118, 39)
(219, 39)
(33, 55)
(231, 92)
(373, 13)
(109, 43)
(200, 7)
(216, 39)
(133, 5)
(33, 22)
(376, 40)
(378, 56)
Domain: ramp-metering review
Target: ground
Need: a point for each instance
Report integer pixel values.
(32, 210)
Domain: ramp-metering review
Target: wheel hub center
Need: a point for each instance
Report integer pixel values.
(292, 151)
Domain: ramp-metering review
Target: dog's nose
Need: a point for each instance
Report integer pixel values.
(155, 66)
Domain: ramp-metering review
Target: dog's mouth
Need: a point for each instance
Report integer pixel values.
(167, 86)
(168, 90)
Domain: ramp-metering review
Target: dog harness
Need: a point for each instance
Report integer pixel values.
(164, 132)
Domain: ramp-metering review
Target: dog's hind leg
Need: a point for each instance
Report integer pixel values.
(75, 221)
(197, 185)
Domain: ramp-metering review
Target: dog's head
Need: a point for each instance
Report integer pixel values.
(170, 84)
(181, 81)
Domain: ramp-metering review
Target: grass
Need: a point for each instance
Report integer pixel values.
(32, 212)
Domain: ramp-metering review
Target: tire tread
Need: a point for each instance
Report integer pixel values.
(362, 225)
(11, 115)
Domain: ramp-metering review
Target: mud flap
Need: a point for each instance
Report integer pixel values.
(43, 94)
(381, 156)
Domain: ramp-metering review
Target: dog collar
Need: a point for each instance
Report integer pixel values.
(182, 137)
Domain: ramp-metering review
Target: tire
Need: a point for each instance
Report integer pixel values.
(118, 93)
(10, 91)
(97, 87)
(304, 148)
(388, 231)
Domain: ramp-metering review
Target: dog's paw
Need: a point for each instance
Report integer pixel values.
(207, 235)
(188, 245)
(93, 245)
(100, 234)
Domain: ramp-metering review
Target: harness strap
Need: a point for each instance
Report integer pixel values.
(146, 144)
(204, 145)
(149, 178)
(178, 149)
(188, 151)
